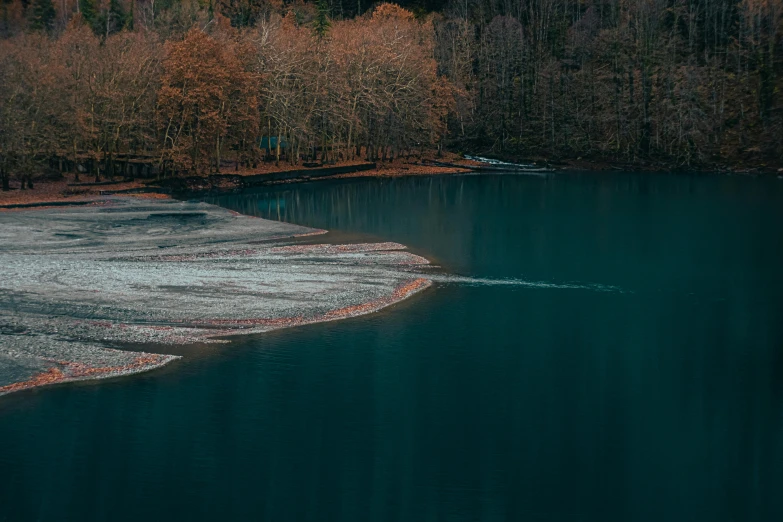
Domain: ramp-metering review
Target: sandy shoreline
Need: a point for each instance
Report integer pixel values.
(127, 270)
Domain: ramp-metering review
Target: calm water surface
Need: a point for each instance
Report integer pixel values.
(647, 387)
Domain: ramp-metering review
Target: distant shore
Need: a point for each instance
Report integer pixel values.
(596, 163)
(70, 190)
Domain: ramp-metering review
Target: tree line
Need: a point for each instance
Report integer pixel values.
(201, 92)
(673, 82)
(187, 86)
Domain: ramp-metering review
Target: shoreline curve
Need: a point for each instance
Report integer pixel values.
(167, 272)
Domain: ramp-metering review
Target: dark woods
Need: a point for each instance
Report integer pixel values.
(672, 82)
(130, 87)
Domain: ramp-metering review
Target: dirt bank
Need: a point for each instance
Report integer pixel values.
(68, 191)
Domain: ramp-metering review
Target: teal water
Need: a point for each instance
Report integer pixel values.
(629, 368)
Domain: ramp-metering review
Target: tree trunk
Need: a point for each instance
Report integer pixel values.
(277, 150)
(75, 161)
(217, 155)
(269, 140)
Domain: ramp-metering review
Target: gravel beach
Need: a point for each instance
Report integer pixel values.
(79, 280)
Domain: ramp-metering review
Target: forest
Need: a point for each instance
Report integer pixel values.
(111, 87)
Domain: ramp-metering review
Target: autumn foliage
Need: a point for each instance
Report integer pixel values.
(136, 87)
(207, 101)
(217, 96)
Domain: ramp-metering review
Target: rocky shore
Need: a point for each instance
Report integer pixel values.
(81, 281)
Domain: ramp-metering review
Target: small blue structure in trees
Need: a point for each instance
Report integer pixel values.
(270, 142)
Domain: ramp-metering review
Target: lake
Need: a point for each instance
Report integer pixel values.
(602, 347)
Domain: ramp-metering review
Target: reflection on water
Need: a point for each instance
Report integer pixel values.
(513, 390)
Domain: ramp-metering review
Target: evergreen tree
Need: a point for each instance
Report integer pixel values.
(117, 16)
(321, 24)
(43, 15)
(129, 20)
(112, 20)
(5, 25)
(89, 12)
